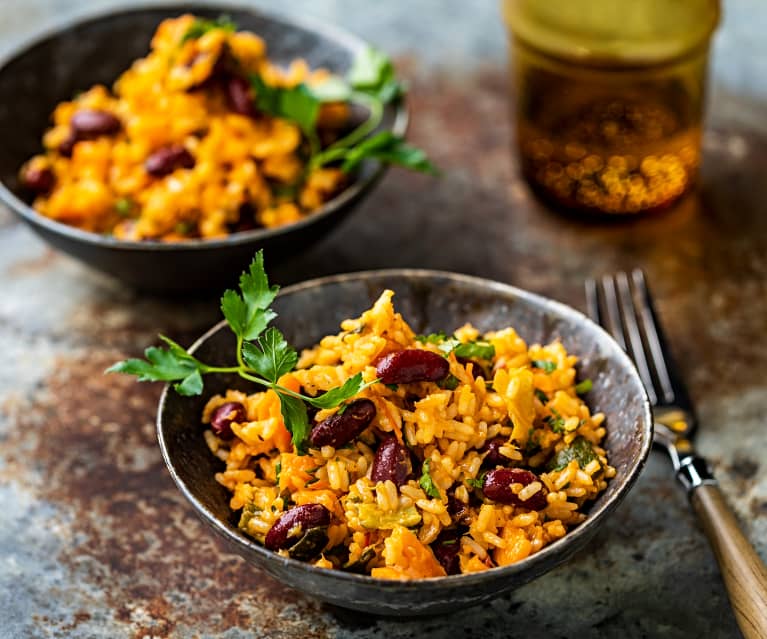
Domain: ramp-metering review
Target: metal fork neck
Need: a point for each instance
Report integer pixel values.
(693, 471)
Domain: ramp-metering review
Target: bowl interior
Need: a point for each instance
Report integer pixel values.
(429, 301)
(97, 50)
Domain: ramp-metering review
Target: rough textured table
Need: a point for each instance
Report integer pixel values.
(95, 541)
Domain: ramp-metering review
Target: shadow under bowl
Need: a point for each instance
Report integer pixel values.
(429, 301)
(54, 66)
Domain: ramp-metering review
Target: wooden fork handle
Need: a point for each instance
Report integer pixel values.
(744, 573)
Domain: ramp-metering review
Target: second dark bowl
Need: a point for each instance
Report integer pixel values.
(429, 301)
(51, 68)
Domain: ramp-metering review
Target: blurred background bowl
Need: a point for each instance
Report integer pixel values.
(54, 66)
(429, 301)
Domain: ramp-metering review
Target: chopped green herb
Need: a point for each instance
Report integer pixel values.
(314, 480)
(183, 228)
(475, 350)
(449, 344)
(476, 482)
(201, 26)
(372, 72)
(581, 450)
(248, 512)
(427, 483)
(450, 382)
(263, 356)
(467, 350)
(297, 103)
(278, 470)
(392, 387)
(556, 422)
(432, 338)
(584, 387)
(124, 206)
(449, 542)
(545, 365)
(542, 397)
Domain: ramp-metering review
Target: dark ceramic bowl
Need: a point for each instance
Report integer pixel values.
(51, 68)
(429, 301)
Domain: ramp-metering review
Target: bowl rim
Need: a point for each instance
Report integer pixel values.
(325, 29)
(582, 531)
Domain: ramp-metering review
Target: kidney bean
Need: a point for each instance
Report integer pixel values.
(497, 486)
(298, 521)
(412, 365)
(445, 549)
(392, 461)
(37, 179)
(342, 427)
(91, 123)
(492, 452)
(68, 145)
(167, 159)
(459, 511)
(223, 417)
(238, 96)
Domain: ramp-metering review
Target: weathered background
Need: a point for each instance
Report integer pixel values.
(95, 541)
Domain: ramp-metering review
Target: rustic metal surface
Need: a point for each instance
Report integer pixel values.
(96, 542)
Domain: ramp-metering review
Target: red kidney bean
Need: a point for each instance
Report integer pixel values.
(412, 365)
(497, 486)
(459, 511)
(37, 179)
(167, 159)
(392, 461)
(342, 427)
(239, 97)
(298, 521)
(68, 145)
(445, 549)
(91, 123)
(223, 417)
(492, 452)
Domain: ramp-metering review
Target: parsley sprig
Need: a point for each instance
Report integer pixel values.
(370, 83)
(427, 483)
(263, 356)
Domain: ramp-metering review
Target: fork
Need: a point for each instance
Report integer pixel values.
(623, 306)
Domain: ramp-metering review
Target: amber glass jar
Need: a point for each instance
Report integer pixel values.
(609, 98)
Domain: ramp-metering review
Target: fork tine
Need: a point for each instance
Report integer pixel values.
(651, 332)
(631, 327)
(592, 300)
(612, 311)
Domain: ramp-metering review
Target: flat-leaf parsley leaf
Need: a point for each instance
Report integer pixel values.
(263, 356)
(427, 483)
